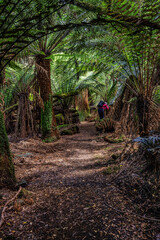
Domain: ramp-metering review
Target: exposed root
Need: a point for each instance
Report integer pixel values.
(5, 206)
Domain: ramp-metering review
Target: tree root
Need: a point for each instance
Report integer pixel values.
(5, 206)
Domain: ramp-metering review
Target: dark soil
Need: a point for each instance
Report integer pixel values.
(79, 189)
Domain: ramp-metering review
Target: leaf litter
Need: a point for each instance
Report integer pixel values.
(70, 195)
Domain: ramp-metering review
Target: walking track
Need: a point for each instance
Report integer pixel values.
(70, 195)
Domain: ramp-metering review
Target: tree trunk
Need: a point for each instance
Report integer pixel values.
(83, 104)
(86, 104)
(7, 174)
(24, 121)
(142, 106)
(23, 116)
(2, 74)
(48, 121)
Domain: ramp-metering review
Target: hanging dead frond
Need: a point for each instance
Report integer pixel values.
(37, 98)
(40, 69)
(2, 102)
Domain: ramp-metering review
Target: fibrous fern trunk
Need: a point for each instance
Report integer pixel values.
(142, 106)
(2, 75)
(48, 121)
(7, 174)
(83, 104)
(24, 122)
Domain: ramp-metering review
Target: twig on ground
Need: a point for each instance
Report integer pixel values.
(5, 206)
(126, 166)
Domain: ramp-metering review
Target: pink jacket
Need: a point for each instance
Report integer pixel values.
(105, 106)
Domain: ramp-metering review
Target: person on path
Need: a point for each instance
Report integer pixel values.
(101, 110)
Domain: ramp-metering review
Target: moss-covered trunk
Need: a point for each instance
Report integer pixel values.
(7, 174)
(48, 121)
(2, 74)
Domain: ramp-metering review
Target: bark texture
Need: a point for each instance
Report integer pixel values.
(142, 106)
(82, 102)
(2, 75)
(7, 173)
(48, 121)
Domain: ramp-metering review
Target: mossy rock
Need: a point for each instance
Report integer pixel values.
(50, 139)
(67, 132)
(75, 129)
(72, 129)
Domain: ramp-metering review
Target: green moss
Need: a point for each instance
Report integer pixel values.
(59, 118)
(62, 126)
(46, 119)
(7, 173)
(111, 169)
(99, 157)
(135, 117)
(107, 148)
(50, 139)
(83, 115)
(114, 140)
(4, 145)
(108, 171)
(121, 138)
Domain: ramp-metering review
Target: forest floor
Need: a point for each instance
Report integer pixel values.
(77, 190)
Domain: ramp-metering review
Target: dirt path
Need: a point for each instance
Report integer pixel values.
(70, 197)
